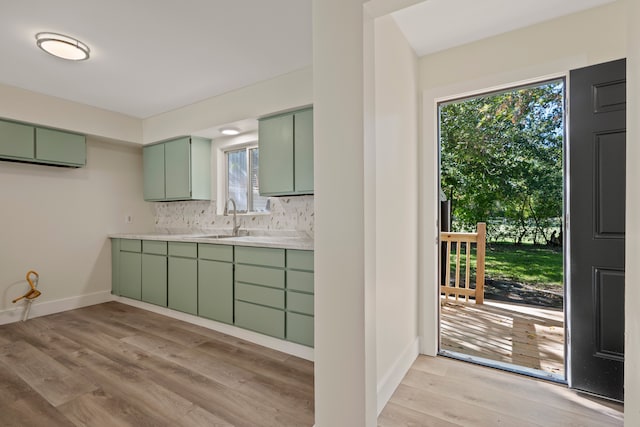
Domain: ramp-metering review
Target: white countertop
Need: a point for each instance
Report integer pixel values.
(281, 240)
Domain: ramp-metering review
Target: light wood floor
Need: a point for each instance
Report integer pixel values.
(438, 391)
(115, 365)
(518, 334)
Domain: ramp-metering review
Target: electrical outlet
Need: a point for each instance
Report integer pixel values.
(128, 219)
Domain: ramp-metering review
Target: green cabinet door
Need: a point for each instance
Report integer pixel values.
(300, 329)
(183, 284)
(154, 279)
(215, 290)
(153, 167)
(303, 151)
(115, 266)
(53, 146)
(177, 165)
(275, 139)
(16, 141)
(130, 269)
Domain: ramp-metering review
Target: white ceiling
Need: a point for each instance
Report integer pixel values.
(152, 56)
(435, 25)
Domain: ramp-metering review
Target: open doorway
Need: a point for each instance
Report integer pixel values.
(502, 192)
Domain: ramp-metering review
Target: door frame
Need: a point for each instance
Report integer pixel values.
(429, 206)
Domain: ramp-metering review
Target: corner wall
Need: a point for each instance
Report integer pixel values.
(549, 49)
(396, 206)
(23, 105)
(632, 243)
(56, 221)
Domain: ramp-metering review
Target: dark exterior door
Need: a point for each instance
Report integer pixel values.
(597, 108)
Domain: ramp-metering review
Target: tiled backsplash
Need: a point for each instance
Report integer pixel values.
(286, 214)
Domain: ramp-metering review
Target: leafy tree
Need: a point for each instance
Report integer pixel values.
(501, 160)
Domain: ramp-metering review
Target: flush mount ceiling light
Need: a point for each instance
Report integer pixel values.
(230, 131)
(62, 46)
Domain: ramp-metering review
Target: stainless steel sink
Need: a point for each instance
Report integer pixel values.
(241, 233)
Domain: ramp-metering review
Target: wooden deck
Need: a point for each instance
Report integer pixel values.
(527, 336)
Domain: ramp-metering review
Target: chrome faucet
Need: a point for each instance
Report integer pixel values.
(236, 227)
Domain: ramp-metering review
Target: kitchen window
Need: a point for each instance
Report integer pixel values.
(242, 179)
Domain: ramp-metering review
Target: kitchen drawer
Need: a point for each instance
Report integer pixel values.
(215, 252)
(300, 329)
(300, 281)
(269, 321)
(155, 247)
(260, 295)
(300, 260)
(128, 245)
(183, 249)
(301, 303)
(260, 275)
(270, 257)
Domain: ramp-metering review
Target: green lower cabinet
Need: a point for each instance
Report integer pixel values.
(251, 288)
(130, 269)
(266, 320)
(215, 290)
(154, 279)
(300, 329)
(183, 284)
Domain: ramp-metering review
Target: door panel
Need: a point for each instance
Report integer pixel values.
(597, 214)
(177, 164)
(153, 167)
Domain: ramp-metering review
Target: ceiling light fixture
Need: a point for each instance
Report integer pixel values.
(230, 131)
(62, 46)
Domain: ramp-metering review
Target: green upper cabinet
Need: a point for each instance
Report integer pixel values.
(17, 140)
(286, 153)
(153, 166)
(179, 169)
(63, 148)
(27, 143)
(303, 151)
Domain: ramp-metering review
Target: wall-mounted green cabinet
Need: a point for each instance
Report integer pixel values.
(286, 153)
(28, 143)
(179, 169)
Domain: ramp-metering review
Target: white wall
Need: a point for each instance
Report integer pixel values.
(632, 242)
(396, 207)
(548, 49)
(56, 221)
(345, 369)
(24, 105)
(281, 93)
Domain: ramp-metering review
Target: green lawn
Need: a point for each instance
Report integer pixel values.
(524, 263)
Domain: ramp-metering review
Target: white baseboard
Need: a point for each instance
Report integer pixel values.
(392, 379)
(254, 337)
(51, 307)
